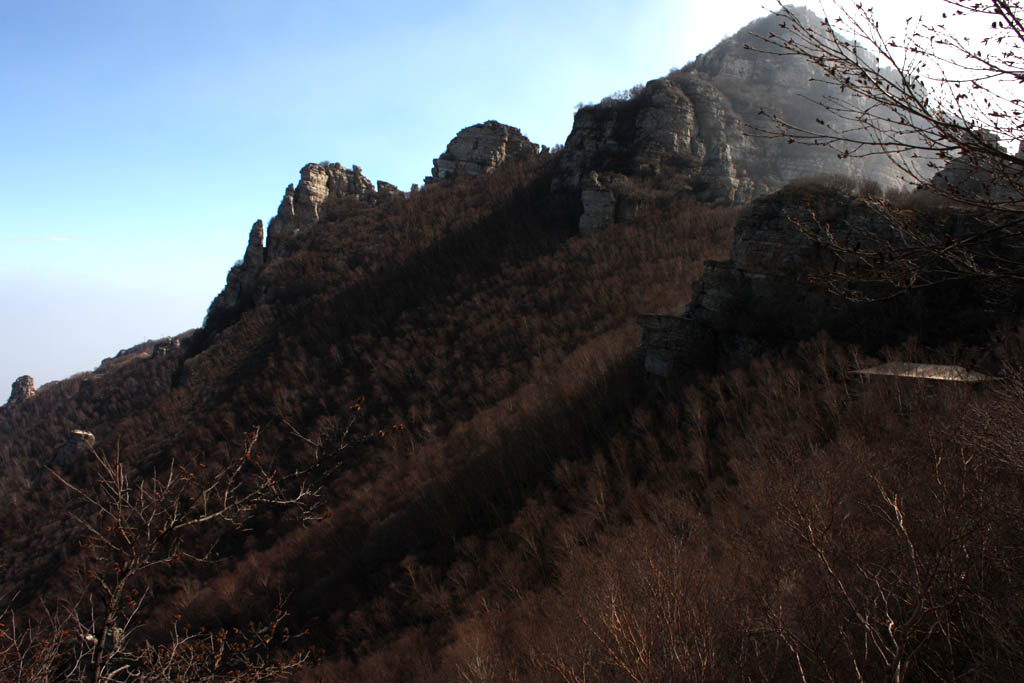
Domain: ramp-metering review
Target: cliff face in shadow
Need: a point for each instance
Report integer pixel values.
(780, 284)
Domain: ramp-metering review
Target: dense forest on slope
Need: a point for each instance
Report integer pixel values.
(467, 315)
(416, 438)
(521, 502)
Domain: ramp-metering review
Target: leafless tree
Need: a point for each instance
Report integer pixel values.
(132, 526)
(942, 102)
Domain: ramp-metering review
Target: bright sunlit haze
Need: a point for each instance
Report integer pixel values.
(141, 140)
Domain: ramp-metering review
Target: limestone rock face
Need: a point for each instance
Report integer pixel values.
(765, 290)
(22, 389)
(678, 132)
(762, 295)
(606, 198)
(695, 131)
(165, 349)
(480, 149)
(321, 187)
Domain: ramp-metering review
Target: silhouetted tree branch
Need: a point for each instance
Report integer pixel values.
(132, 526)
(940, 102)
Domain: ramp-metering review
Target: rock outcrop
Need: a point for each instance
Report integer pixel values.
(773, 290)
(695, 131)
(321, 188)
(165, 349)
(321, 192)
(480, 149)
(22, 389)
(241, 281)
(983, 178)
(764, 292)
(387, 191)
(74, 451)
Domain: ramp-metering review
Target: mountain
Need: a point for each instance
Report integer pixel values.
(704, 130)
(502, 492)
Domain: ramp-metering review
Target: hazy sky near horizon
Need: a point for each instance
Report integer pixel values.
(140, 140)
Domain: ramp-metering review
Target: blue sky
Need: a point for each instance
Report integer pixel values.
(140, 139)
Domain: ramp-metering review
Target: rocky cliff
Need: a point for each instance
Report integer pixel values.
(692, 132)
(322, 188)
(22, 389)
(696, 131)
(982, 178)
(774, 290)
(479, 149)
(763, 295)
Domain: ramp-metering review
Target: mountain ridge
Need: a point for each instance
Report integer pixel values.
(507, 486)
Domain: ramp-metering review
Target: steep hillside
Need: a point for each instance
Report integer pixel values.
(447, 388)
(706, 130)
(468, 314)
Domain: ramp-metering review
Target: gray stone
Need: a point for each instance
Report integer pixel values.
(984, 178)
(321, 192)
(480, 149)
(387, 191)
(165, 349)
(321, 187)
(696, 131)
(598, 205)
